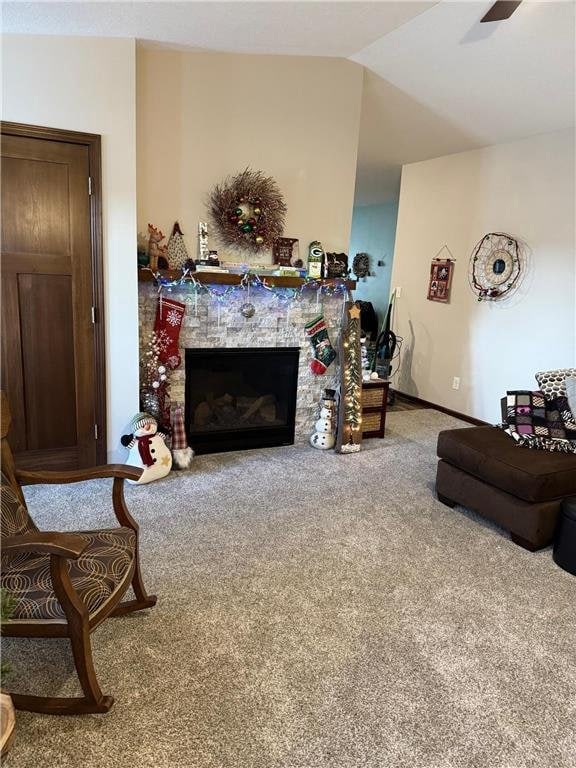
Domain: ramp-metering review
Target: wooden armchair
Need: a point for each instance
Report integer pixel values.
(66, 584)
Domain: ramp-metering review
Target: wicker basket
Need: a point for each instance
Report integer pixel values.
(373, 397)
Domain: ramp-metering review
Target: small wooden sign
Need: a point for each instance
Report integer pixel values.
(285, 252)
(337, 264)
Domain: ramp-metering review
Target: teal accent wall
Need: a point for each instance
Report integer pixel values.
(374, 232)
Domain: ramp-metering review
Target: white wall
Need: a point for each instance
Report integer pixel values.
(88, 84)
(203, 116)
(524, 188)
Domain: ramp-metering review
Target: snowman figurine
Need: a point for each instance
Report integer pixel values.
(365, 362)
(147, 449)
(323, 437)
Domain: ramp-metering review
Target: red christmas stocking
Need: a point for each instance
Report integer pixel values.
(169, 315)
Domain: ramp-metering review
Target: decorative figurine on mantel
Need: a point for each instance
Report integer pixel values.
(315, 260)
(147, 449)
(157, 253)
(177, 252)
(203, 250)
(323, 436)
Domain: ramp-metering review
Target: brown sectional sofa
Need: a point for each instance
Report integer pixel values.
(521, 489)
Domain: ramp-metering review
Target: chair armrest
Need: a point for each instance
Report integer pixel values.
(122, 471)
(46, 543)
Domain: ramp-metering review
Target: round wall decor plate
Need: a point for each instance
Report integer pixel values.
(495, 266)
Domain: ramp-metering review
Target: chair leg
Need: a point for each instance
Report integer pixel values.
(93, 700)
(143, 599)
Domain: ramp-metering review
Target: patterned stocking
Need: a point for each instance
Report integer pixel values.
(324, 352)
(169, 315)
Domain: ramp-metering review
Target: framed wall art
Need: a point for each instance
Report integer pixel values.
(440, 280)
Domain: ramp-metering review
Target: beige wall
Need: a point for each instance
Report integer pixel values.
(525, 188)
(88, 84)
(201, 117)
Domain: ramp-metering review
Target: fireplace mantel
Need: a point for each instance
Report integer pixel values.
(229, 278)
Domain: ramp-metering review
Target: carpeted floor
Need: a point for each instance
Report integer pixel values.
(316, 611)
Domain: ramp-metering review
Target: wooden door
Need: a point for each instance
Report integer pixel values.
(50, 370)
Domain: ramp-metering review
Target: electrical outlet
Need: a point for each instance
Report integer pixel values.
(398, 292)
(456, 382)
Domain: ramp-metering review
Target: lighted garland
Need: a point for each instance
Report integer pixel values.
(247, 211)
(154, 383)
(334, 287)
(350, 431)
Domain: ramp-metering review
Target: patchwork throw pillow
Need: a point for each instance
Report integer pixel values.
(526, 412)
(553, 383)
(541, 424)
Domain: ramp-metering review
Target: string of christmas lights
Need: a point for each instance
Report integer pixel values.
(353, 377)
(335, 287)
(351, 382)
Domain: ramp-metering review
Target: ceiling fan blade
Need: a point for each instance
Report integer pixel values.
(501, 10)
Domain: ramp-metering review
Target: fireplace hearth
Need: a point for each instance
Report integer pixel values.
(239, 398)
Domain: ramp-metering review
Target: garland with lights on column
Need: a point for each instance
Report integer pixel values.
(350, 407)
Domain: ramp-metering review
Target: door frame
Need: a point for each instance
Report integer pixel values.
(93, 142)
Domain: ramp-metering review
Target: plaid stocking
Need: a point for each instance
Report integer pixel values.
(169, 315)
(324, 352)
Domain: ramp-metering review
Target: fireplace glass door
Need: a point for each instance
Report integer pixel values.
(240, 398)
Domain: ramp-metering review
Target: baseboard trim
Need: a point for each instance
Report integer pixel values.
(441, 408)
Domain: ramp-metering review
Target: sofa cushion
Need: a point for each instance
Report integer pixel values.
(95, 575)
(491, 455)
(553, 383)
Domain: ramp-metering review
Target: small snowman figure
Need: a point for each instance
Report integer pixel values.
(323, 436)
(365, 362)
(147, 449)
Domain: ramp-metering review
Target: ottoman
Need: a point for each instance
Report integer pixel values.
(564, 552)
(521, 489)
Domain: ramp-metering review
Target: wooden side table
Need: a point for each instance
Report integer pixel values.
(374, 403)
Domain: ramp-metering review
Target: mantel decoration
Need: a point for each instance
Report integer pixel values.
(361, 265)
(248, 211)
(157, 254)
(177, 252)
(496, 265)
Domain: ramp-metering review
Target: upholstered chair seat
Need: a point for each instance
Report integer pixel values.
(96, 575)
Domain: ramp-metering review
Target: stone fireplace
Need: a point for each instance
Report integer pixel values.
(278, 322)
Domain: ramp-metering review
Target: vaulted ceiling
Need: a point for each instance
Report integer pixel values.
(436, 82)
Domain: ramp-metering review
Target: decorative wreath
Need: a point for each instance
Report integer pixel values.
(361, 265)
(248, 211)
(495, 266)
